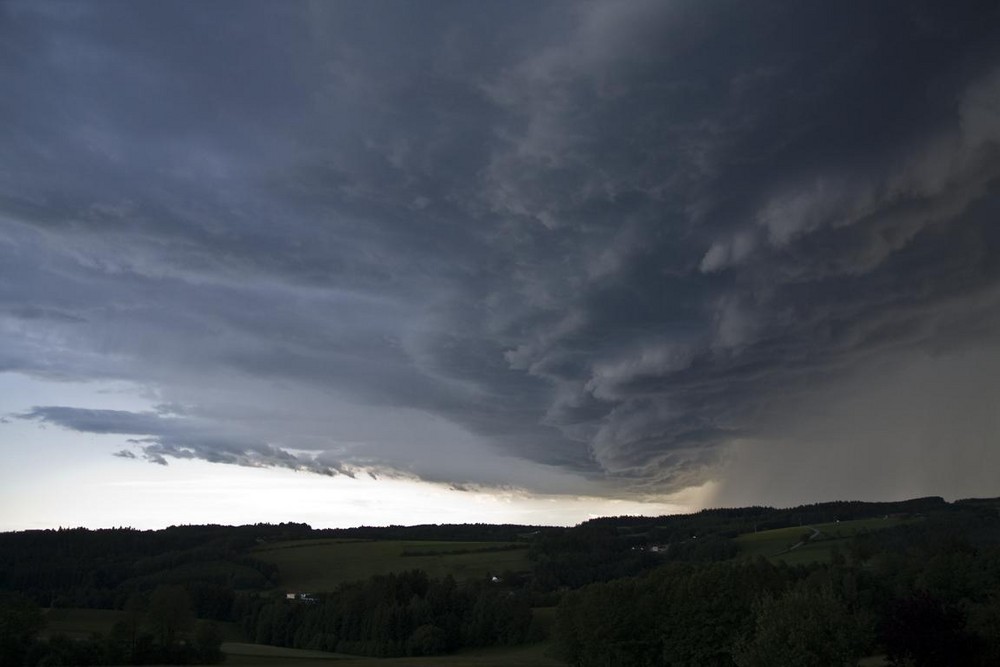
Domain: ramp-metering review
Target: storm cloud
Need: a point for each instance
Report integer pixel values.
(614, 248)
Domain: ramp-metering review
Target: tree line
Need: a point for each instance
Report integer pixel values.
(402, 614)
(923, 594)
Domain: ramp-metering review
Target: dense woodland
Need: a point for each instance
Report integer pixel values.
(395, 615)
(673, 590)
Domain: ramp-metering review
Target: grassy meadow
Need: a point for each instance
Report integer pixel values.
(256, 655)
(777, 544)
(322, 565)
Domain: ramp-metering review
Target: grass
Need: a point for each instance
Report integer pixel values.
(322, 565)
(776, 544)
(242, 652)
(256, 655)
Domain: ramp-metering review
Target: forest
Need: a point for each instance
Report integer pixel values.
(909, 583)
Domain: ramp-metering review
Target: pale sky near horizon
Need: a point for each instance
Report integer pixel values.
(394, 262)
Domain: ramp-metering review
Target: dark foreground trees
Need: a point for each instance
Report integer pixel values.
(680, 614)
(923, 631)
(744, 613)
(806, 626)
(924, 593)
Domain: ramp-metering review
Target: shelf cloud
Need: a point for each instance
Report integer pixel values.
(621, 249)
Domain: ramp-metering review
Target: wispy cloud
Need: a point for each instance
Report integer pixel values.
(177, 437)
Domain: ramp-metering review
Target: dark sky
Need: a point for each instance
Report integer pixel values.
(617, 249)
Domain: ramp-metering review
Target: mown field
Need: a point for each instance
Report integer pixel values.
(322, 565)
(777, 544)
(256, 655)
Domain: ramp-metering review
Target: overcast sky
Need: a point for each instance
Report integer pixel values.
(506, 260)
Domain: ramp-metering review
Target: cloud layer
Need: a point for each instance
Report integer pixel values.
(580, 247)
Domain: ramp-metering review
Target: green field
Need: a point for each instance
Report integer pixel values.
(256, 655)
(241, 653)
(777, 544)
(322, 565)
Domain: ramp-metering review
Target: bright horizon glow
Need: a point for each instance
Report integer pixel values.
(90, 488)
(196, 492)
